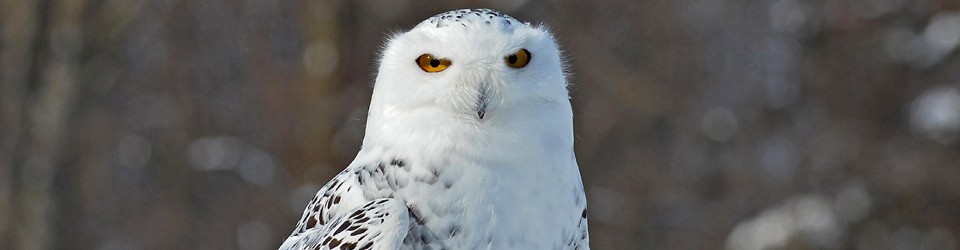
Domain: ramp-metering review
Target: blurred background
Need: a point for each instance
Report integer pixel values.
(700, 124)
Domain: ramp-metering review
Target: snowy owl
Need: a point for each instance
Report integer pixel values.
(468, 145)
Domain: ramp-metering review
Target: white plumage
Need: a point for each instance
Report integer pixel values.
(468, 145)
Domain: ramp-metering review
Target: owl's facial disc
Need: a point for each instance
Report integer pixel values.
(472, 66)
(479, 89)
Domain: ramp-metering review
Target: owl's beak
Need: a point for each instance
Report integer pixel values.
(482, 102)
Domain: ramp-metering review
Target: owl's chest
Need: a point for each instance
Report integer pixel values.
(478, 207)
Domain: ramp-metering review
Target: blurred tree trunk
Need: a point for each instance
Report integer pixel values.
(19, 28)
(39, 86)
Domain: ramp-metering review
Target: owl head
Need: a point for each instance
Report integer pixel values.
(472, 66)
(470, 80)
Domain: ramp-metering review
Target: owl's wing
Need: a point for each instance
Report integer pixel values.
(346, 212)
(378, 224)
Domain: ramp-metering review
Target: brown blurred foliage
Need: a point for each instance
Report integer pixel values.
(700, 124)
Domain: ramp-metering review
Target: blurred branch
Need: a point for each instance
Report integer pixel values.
(20, 24)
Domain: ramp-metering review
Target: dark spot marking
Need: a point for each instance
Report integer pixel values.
(333, 243)
(358, 232)
(325, 241)
(398, 162)
(348, 246)
(584, 214)
(312, 222)
(362, 219)
(342, 227)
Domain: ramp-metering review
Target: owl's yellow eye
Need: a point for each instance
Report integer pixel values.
(431, 64)
(519, 59)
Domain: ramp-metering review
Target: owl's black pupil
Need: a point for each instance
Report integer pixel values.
(434, 63)
(512, 59)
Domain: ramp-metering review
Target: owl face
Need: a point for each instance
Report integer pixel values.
(474, 65)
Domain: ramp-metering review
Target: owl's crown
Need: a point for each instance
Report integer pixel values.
(470, 17)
